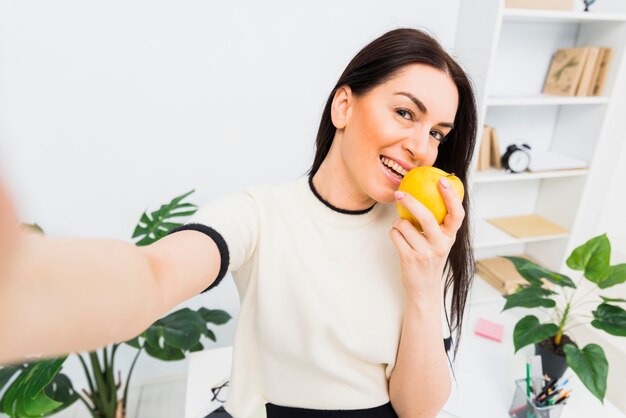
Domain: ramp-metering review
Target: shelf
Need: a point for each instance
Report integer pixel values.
(494, 175)
(487, 235)
(545, 100)
(560, 16)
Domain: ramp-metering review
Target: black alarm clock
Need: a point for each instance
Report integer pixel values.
(516, 158)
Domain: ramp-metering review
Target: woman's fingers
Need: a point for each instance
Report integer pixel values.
(423, 215)
(454, 204)
(411, 235)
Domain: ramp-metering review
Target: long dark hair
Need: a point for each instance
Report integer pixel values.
(378, 62)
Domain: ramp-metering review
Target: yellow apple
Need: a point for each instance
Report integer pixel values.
(422, 184)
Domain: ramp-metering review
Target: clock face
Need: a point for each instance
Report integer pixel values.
(518, 161)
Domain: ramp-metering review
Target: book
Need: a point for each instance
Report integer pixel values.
(495, 150)
(501, 273)
(565, 71)
(589, 67)
(596, 71)
(484, 151)
(551, 161)
(600, 81)
(527, 226)
(540, 4)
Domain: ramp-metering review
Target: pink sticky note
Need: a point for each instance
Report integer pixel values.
(489, 330)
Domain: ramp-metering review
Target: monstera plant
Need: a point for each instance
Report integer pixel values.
(567, 308)
(38, 388)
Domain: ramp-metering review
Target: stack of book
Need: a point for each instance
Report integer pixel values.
(489, 153)
(501, 273)
(540, 4)
(578, 71)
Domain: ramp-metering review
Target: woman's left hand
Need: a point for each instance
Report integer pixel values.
(423, 255)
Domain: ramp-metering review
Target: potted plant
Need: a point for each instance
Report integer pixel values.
(566, 307)
(38, 388)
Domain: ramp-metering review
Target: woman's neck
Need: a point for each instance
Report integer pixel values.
(337, 186)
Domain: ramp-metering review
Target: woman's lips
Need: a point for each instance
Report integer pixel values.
(390, 176)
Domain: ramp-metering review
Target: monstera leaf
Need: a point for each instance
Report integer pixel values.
(593, 259)
(611, 319)
(529, 331)
(590, 365)
(530, 297)
(38, 390)
(171, 337)
(155, 226)
(534, 273)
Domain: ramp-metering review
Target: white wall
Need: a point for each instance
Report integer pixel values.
(108, 109)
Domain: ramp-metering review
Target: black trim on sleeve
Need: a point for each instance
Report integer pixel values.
(221, 246)
(447, 343)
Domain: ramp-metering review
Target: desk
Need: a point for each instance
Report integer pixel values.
(485, 370)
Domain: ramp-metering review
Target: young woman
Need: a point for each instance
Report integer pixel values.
(342, 303)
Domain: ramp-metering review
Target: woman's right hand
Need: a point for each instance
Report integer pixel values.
(8, 229)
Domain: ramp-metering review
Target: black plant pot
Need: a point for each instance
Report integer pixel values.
(553, 359)
(553, 364)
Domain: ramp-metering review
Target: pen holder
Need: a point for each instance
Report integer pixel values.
(524, 407)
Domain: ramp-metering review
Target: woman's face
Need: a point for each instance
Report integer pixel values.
(403, 120)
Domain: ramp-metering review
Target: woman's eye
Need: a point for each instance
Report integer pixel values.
(438, 135)
(403, 112)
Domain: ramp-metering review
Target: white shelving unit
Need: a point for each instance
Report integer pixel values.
(507, 53)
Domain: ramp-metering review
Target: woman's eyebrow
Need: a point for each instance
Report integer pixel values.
(422, 108)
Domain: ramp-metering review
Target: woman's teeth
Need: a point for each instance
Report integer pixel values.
(396, 169)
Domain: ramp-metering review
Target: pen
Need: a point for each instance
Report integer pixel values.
(562, 398)
(528, 379)
(549, 385)
(548, 398)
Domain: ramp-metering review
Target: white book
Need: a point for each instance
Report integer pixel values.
(548, 161)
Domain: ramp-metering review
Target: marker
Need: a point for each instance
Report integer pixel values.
(562, 398)
(528, 379)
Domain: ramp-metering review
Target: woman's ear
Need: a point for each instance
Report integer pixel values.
(341, 107)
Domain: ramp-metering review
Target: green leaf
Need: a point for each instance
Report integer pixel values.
(61, 390)
(134, 343)
(529, 331)
(611, 276)
(153, 335)
(7, 372)
(616, 300)
(591, 366)
(167, 353)
(34, 228)
(530, 297)
(197, 347)
(171, 337)
(25, 397)
(534, 273)
(211, 335)
(592, 256)
(215, 316)
(157, 224)
(611, 319)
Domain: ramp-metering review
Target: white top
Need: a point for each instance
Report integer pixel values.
(321, 299)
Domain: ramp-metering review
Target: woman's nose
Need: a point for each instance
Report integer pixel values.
(418, 144)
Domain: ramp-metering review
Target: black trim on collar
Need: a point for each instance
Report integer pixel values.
(221, 246)
(336, 209)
